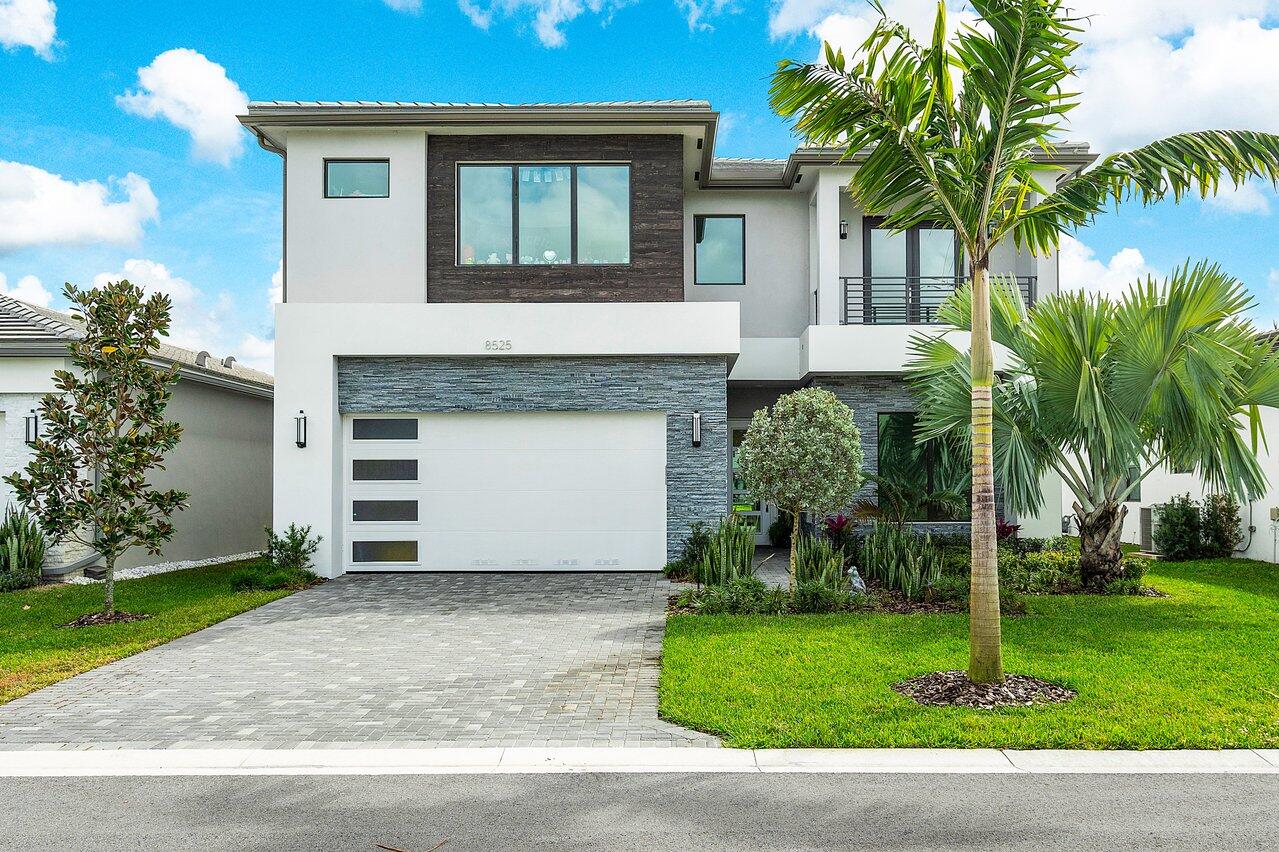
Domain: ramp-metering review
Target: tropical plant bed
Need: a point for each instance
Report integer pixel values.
(37, 648)
(1195, 669)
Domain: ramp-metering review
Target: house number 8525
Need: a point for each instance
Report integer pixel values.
(497, 345)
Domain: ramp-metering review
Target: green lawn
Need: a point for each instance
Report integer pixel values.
(35, 650)
(1199, 669)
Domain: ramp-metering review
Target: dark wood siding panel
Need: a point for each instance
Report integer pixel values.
(656, 270)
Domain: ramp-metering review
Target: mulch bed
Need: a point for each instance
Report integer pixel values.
(97, 619)
(954, 689)
(894, 602)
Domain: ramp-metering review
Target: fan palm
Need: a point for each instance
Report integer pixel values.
(960, 131)
(1104, 393)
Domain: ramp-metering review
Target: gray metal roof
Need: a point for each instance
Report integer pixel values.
(479, 105)
(22, 323)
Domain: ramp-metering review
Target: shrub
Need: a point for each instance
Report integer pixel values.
(1220, 526)
(22, 549)
(779, 530)
(293, 550)
(816, 598)
(1179, 533)
(741, 596)
(841, 531)
(265, 575)
(729, 554)
(1041, 573)
(1005, 530)
(901, 560)
(677, 571)
(818, 562)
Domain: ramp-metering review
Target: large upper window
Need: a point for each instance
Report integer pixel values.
(921, 472)
(719, 249)
(543, 214)
(907, 274)
(357, 178)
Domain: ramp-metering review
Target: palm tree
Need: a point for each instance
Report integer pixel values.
(959, 131)
(1104, 393)
(899, 501)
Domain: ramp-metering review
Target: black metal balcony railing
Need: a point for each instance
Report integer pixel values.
(907, 300)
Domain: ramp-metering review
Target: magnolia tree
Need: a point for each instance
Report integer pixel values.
(104, 432)
(805, 456)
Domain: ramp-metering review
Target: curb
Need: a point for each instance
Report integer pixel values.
(460, 761)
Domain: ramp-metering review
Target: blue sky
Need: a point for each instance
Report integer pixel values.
(214, 237)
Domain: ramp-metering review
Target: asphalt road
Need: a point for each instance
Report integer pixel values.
(648, 812)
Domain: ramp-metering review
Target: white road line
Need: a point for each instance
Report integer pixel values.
(453, 761)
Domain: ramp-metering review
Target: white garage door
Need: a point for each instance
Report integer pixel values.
(528, 491)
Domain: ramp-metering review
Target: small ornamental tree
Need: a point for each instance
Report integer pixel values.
(104, 432)
(805, 456)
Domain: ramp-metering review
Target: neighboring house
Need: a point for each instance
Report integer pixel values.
(527, 337)
(223, 460)
(1259, 518)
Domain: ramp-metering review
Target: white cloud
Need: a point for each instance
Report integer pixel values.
(413, 6)
(1273, 279)
(41, 208)
(195, 94)
(28, 23)
(847, 25)
(275, 295)
(28, 288)
(1081, 269)
(1249, 198)
(256, 352)
(699, 12)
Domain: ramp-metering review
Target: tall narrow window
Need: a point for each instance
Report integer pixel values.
(719, 249)
(485, 215)
(543, 214)
(546, 214)
(926, 477)
(357, 178)
(603, 214)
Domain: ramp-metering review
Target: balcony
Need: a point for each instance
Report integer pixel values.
(906, 300)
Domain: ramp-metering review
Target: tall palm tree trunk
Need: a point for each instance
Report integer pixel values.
(985, 661)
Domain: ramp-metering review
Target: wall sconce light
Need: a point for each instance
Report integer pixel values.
(697, 428)
(843, 229)
(32, 424)
(299, 428)
(1066, 521)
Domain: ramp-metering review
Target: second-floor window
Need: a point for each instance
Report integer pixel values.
(719, 249)
(543, 214)
(357, 178)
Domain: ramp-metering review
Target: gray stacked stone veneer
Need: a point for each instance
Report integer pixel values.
(696, 477)
(868, 397)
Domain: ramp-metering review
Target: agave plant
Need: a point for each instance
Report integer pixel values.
(817, 560)
(901, 559)
(22, 550)
(728, 555)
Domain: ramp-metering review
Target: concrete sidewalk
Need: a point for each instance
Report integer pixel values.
(524, 760)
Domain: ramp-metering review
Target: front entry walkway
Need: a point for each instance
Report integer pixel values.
(386, 660)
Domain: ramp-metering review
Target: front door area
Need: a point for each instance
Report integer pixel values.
(503, 491)
(757, 513)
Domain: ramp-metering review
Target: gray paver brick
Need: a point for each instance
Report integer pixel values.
(413, 659)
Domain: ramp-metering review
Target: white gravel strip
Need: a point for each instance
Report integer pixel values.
(165, 567)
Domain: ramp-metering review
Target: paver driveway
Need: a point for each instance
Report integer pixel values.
(386, 660)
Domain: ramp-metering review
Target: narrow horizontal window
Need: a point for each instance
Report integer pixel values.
(543, 214)
(357, 178)
(384, 551)
(383, 510)
(383, 470)
(384, 429)
(719, 249)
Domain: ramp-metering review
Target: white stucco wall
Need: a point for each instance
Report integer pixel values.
(775, 300)
(1263, 541)
(343, 249)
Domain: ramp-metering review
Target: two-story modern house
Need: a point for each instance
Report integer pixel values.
(527, 337)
